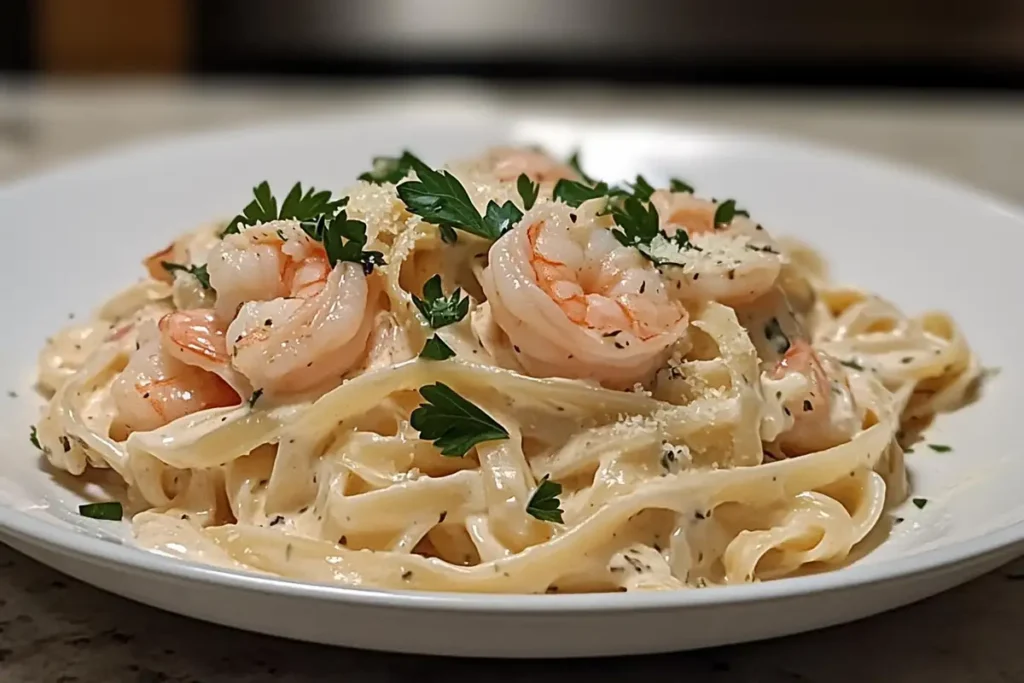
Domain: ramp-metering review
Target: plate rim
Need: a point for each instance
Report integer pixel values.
(73, 541)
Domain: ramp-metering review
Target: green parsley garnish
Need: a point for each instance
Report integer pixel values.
(677, 185)
(727, 211)
(388, 169)
(454, 424)
(528, 190)
(642, 189)
(636, 224)
(255, 397)
(111, 511)
(940, 448)
(438, 309)
(852, 364)
(297, 205)
(919, 502)
(34, 438)
(436, 349)
(344, 239)
(544, 503)
(198, 272)
(439, 197)
(575, 193)
(574, 163)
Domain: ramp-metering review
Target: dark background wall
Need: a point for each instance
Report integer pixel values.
(901, 43)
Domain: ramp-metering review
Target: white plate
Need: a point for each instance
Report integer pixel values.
(77, 234)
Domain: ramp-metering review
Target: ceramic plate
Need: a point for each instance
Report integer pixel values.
(77, 234)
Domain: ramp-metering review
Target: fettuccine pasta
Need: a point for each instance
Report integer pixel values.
(502, 377)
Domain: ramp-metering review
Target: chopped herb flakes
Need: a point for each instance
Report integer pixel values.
(919, 502)
(451, 422)
(436, 349)
(437, 309)
(776, 337)
(111, 511)
(852, 364)
(544, 504)
(255, 397)
(198, 272)
(940, 448)
(33, 437)
(439, 197)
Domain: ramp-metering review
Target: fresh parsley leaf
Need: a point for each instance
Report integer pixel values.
(255, 397)
(438, 309)
(297, 205)
(574, 163)
(388, 169)
(636, 224)
(575, 193)
(677, 185)
(544, 503)
(454, 424)
(642, 189)
(528, 190)
(919, 502)
(344, 239)
(502, 218)
(940, 448)
(111, 511)
(439, 197)
(198, 272)
(436, 349)
(34, 438)
(727, 211)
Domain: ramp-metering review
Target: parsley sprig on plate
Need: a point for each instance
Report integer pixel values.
(388, 169)
(439, 198)
(439, 311)
(454, 424)
(298, 205)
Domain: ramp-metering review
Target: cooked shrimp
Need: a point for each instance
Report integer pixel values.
(508, 163)
(296, 323)
(197, 337)
(291, 345)
(823, 413)
(266, 262)
(156, 388)
(575, 303)
(732, 264)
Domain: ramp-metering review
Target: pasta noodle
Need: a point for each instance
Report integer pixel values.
(530, 383)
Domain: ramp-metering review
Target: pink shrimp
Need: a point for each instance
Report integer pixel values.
(575, 303)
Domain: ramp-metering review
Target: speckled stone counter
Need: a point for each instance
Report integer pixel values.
(54, 629)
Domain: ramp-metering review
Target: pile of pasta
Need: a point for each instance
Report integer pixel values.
(672, 483)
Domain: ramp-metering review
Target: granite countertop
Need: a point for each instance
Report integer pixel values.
(54, 629)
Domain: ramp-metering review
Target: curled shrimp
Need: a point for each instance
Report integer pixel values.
(575, 303)
(156, 388)
(197, 337)
(822, 412)
(296, 323)
(733, 263)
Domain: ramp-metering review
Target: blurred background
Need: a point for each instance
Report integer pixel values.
(902, 43)
(941, 87)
